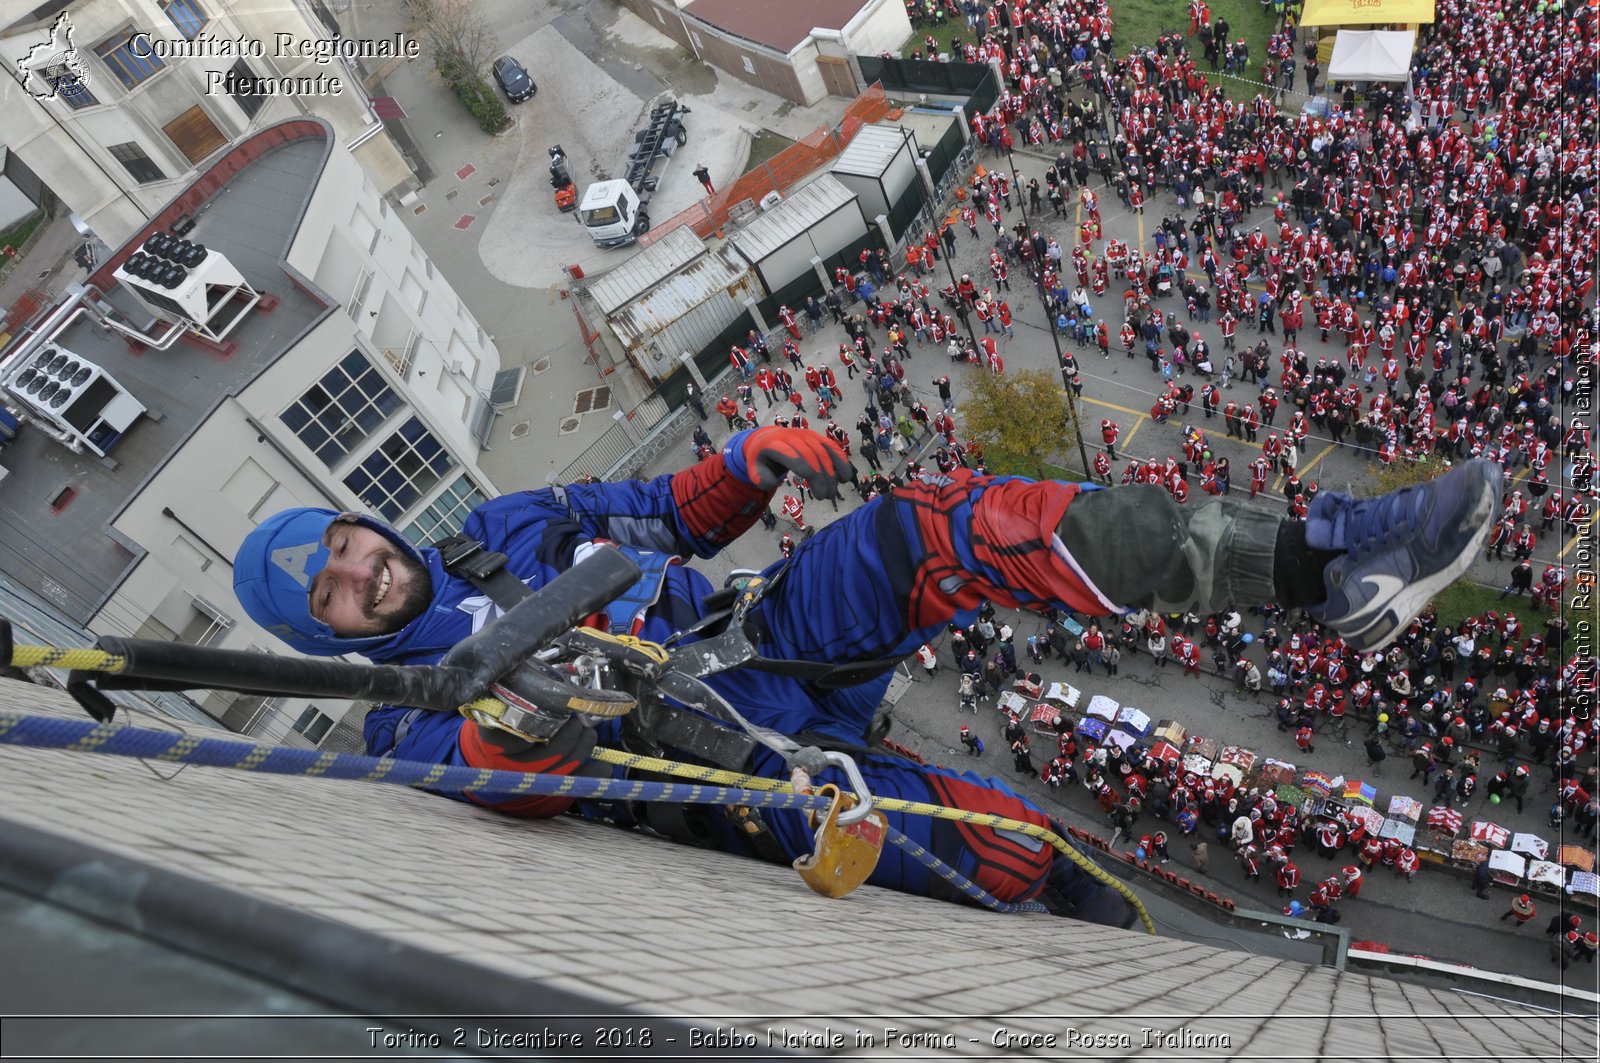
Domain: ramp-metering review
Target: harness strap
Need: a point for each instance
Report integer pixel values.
(656, 725)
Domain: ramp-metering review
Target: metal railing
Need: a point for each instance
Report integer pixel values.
(617, 454)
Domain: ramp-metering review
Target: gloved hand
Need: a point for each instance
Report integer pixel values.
(567, 753)
(771, 453)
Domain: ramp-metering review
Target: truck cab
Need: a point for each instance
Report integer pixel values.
(613, 213)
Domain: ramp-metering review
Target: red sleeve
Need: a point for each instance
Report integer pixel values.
(715, 506)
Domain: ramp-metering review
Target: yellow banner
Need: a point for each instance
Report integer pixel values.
(1365, 12)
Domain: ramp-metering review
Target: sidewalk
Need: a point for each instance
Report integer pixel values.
(489, 224)
(48, 263)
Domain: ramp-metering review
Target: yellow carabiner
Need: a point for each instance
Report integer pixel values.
(843, 856)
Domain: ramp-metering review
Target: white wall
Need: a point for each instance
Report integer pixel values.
(67, 148)
(882, 25)
(14, 206)
(350, 232)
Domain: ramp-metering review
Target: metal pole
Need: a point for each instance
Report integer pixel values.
(1066, 385)
(1050, 324)
(965, 318)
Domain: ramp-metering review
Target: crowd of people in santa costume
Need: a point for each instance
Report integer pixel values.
(1482, 713)
(1438, 255)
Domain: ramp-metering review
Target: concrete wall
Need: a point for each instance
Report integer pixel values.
(407, 308)
(780, 75)
(14, 206)
(67, 147)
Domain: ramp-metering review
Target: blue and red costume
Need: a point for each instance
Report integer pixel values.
(877, 583)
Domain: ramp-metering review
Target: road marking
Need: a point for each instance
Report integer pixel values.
(1112, 406)
(1588, 526)
(1138, 420)
(1324, 452)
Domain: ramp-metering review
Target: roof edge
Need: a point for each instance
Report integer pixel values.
(356, 970)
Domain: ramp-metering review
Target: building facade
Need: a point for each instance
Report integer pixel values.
(353, 385)
(118, 104)
(798, 51)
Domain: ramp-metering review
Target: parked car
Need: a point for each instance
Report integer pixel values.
(514, 80)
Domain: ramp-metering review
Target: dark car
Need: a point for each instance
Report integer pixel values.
(514, 80)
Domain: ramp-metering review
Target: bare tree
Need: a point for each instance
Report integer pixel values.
(457, 35)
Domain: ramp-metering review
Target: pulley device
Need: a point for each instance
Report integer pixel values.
(530, 671)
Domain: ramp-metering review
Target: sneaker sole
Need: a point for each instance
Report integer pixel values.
(1413, 599)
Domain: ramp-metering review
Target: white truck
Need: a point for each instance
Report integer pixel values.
(615, 212)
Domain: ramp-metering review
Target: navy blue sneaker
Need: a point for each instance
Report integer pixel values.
(1400, 549)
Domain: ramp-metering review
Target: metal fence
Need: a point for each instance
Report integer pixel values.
(640, 437)
(903, 77)
(944, 153)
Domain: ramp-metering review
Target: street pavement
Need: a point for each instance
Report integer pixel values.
(488, 219)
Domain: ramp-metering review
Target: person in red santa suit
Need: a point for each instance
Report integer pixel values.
(1288, 877)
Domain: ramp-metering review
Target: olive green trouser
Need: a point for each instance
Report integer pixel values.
(1142, 549)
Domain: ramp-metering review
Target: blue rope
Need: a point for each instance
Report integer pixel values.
(83, 736)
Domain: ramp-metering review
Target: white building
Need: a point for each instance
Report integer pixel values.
(356, 383)
(135, 117)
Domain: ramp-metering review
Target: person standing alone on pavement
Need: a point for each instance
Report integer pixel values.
(1376, 754)
(692, 394)
(1522, 908)
(703, 175)
(1480, 879)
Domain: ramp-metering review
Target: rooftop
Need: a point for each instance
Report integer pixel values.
(777, 24)
(803, 207)
(56, 507)
(405, 903)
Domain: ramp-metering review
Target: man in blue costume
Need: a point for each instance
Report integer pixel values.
(873, 585)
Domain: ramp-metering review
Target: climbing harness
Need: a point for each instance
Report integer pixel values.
(529, 672)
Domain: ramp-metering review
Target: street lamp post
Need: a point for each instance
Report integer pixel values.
(961, 310)
(1050, 325)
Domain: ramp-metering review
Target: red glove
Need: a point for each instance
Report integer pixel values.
(565, 754)
(771, 453)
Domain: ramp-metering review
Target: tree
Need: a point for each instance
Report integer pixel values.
(1022, 419)
(462, 46)
(1402, 473)
(457, 35)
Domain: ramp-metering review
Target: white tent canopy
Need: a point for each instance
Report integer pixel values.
(1371, 55)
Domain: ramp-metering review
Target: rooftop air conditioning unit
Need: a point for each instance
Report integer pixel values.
(74, 395)
(188, 284)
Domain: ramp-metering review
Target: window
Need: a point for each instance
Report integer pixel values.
(206, 625)
(246, 89)
(186, 15)
(69, 90)
(313, 724)
(195, 134)
(130, 67)
(136, 162)
(404, 468)
(345, 407)
(445, 514)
